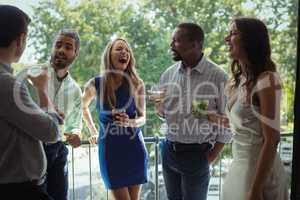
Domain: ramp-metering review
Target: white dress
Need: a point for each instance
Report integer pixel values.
(247, 143)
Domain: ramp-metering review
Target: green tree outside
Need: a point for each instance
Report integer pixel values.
(148, 26)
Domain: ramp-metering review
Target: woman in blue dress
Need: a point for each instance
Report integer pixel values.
(120, 106)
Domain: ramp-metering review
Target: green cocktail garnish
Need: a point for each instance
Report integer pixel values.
(199, 108)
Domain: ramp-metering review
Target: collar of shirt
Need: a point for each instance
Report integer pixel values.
(6, 67)
(63, 78)
(199, 67)
(52, 71)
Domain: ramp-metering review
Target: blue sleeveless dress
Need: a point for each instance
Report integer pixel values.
(122, 153)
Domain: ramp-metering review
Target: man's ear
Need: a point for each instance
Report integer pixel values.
(197, 45)
(20, 44)
(77, 52)
(21, 40)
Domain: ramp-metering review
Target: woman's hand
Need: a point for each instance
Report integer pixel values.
(121, 119)
(93, 139)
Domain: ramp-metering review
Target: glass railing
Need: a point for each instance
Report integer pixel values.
(85, 182)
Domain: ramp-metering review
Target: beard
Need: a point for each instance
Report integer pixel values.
(60, 63)
(176, 56)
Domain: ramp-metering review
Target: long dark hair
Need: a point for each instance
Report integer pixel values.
(256, 44)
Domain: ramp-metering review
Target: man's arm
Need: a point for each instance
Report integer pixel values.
(18, 109)
(73, 122)
(224, 135)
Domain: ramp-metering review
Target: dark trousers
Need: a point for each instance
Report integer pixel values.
(26, 190)
(185, 171)
(56, 183)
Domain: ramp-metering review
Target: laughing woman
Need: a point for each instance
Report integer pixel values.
(253, 111)
(120, 106)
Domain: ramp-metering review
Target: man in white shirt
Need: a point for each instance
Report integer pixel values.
(192, 142)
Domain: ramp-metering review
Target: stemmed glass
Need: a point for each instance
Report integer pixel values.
(156, 94)
(199, 108)
(35, 70)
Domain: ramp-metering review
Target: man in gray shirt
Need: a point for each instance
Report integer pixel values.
(22, 158)
(192, 142)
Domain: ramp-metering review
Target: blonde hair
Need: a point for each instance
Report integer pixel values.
(131, 76)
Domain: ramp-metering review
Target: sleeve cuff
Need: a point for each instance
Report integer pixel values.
(76, 131)
(55, 116)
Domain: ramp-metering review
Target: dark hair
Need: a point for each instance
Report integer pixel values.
(13, 22)
(193, 32)
(72, 34)
(256, 44)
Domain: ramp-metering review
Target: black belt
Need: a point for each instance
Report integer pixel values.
(31, 182)
(54, 143)
(34, 182)
(183, 147)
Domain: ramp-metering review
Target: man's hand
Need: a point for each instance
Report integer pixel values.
(40, 82)
(60, 113)
(73, 139)
(220, 120)
(158, 103)
(211, 157)
(213, 153)
(158, 97)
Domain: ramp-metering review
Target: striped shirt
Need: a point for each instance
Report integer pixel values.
(66, 97)
(205, 81)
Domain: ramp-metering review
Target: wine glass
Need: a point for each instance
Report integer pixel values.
(35, 71)
(199, 108)
(156, 95)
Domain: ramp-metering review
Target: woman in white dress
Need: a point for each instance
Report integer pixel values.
(253, 112)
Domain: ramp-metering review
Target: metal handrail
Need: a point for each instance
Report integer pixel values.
(153, 140)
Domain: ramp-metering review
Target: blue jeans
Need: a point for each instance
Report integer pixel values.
(56, 183)
(186, 173)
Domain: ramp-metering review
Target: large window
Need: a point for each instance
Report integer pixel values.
(148, 26)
